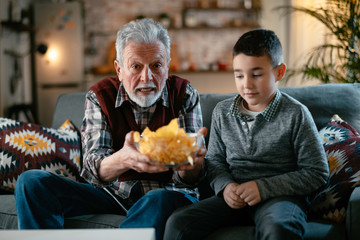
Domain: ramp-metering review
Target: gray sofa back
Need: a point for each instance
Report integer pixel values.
(69, 106)
(326, 100)
(323, 102)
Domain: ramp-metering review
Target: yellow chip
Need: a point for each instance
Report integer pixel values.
(136, 136)
(169, 144)
(169, 130)
(191, 160)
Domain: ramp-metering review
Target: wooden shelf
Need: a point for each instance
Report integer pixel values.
(252, 25)
(200, 72)
(17, 26)
(173, 72)
(222, 9)
(213, 18)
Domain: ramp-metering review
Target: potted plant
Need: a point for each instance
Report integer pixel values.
(338, 61)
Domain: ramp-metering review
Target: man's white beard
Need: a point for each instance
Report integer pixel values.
(144, 101)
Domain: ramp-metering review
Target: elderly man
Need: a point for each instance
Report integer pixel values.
(122, 180)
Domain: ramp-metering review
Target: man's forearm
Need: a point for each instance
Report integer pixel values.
(108, 171)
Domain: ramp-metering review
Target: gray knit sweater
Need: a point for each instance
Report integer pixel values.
(282, 152)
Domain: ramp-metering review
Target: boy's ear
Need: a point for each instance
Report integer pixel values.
(281, 69)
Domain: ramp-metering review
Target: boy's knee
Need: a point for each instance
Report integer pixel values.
(278, 228)
(174, 221)
(174, 228)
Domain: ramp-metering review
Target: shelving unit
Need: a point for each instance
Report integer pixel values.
(215, 17)
(17, 26)
(210, 18)
(30, 110)
(204, 45)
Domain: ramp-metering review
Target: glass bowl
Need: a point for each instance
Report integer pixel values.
(171, 151)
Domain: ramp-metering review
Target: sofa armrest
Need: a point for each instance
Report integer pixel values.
(353, 215)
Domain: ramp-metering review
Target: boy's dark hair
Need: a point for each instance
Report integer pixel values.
(260, 42)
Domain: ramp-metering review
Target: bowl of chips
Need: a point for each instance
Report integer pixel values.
(169, 145)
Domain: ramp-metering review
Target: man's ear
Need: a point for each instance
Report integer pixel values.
(281, 69)
(117, 69)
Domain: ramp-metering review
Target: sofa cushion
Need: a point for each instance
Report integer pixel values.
(208, 101)
(342, 147)
(69, 106)
(25, 146)
(8, 218)
(314, 230)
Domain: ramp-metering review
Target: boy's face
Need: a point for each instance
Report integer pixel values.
(256, 80)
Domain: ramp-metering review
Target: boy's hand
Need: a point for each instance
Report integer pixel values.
(231, 198)
(249, 192)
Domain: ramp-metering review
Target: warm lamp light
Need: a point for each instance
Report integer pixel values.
(53, 55)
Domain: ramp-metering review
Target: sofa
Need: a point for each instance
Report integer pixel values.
(323, 102)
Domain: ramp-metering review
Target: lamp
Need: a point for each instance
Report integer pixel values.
(42, 48)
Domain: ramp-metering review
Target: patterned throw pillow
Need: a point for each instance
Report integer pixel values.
(337, 130)
(25, 146)
(342, 146)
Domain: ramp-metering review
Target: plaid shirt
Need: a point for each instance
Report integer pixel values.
(97, 141)
(268, 113)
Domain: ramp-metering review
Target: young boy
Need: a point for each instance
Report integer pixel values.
(264, 155)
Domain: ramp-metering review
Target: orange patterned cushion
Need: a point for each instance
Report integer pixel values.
(342, 147)
(25, 146)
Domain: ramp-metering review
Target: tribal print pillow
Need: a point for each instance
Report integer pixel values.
(25, 146)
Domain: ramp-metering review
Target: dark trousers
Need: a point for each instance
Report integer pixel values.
(44, 200)
(278, 218)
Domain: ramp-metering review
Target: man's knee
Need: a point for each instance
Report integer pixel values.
(30, 179)
(165, 198)
(156, 193)
(154, 197)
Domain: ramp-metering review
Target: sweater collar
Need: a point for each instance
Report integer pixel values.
(268, 113)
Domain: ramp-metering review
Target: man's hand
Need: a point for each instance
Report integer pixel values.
(249, 192)
(191, 173)
(232, 198)
(128, 157)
